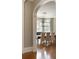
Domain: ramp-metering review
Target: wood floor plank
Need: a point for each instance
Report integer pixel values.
(42, 53)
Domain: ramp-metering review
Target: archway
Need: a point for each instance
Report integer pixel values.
(42, 2)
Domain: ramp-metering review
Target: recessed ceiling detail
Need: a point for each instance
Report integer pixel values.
(48, 10)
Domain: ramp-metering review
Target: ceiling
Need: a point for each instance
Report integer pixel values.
(47, 11)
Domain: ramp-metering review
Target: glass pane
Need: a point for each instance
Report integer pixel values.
(39, 29)
(46, 24)
(47, 29)
(47, 20)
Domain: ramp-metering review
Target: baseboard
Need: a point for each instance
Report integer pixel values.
(28, 49)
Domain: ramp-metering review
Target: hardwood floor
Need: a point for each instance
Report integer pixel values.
(29, 55)
(42, 53)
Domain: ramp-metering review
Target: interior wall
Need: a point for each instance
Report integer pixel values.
(28, 21)
(54, 25)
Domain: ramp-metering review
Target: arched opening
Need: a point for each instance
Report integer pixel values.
(35, 17)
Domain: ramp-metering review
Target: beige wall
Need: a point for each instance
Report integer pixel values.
(53, 25)
(28, 21)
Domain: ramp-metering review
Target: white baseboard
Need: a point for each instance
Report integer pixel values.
(28, 49)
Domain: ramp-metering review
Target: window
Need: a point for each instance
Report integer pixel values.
(43, 25)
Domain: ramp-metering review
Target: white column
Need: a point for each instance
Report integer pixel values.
(34, 32)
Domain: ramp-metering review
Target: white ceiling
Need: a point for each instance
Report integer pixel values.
(49, 9)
